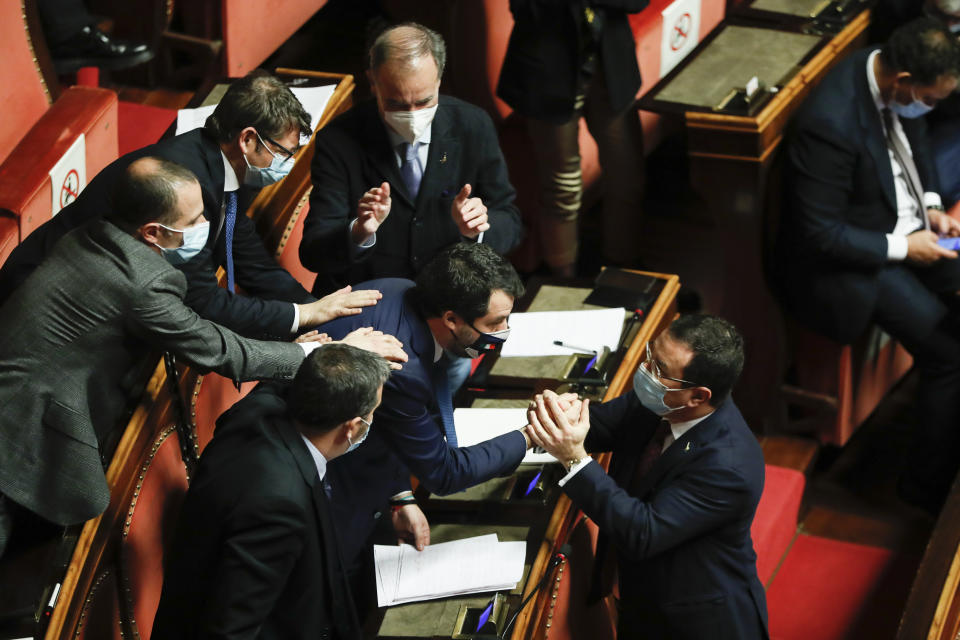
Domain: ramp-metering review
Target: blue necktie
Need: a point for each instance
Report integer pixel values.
(441, 386)
(231, 222)
(410, 169)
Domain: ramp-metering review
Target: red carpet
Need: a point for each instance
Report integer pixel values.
(824, 587)
(141, 125)
(776, 521)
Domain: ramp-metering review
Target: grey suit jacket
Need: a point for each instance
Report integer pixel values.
(72, 339)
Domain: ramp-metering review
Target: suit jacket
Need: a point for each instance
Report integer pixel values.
(686, 561)
(407, 433)
(72, 340)
(541, 72)
(266, 312)
(840, 202)
(353, 155)
(255, 553)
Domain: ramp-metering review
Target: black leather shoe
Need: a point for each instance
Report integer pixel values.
(91, 47)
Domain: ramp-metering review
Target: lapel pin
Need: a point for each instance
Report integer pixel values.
(443, 158)
(688, 447)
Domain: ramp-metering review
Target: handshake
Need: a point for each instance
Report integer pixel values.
(559, 424)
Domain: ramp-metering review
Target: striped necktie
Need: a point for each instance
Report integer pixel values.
(231, 223)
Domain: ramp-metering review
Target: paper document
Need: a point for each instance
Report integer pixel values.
(471, 565)
(313, 99)
(477, 425)
(533, 334)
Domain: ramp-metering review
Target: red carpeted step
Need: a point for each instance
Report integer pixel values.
(775, 523)
(141, 125)
(824, 587)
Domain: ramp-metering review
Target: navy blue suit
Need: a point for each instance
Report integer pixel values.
(407, 433)
(682, 536)
(834, 274)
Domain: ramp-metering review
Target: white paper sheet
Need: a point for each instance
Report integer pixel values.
(477, 425)
(313, 99)
(532, 334)
(471, 565)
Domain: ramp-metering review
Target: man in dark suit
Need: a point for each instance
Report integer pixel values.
(566, 60)
(399, 178)
(459, 304)
(249, 140)
(75, 336)
(256, 553)
(686, 475)
(861, 221)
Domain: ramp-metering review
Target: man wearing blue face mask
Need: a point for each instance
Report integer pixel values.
(247, 143)
(76, 337)
(862, 220)
(676, 508)
(258, 546)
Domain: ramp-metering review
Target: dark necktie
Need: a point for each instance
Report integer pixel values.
(327, 489)
(905, 160)
(231, 223)
(650, 454)
(441, 386)
(410, 169)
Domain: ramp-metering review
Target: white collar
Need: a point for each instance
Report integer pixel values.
(680, 428)
(396, 139)
(437, 349)
(872, 82)
(318, 458)
(230, 181)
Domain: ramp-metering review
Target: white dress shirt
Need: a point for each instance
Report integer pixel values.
(909, 218)
(318, 458)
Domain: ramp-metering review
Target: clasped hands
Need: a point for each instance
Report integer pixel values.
(922, 247)
(559, 424)
(469, 214)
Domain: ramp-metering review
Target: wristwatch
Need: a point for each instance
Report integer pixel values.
(574, 462)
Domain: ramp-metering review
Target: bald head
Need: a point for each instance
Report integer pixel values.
(150, 190)
(409, 46)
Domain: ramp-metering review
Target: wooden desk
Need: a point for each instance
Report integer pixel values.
(734, 168)
(553, 609)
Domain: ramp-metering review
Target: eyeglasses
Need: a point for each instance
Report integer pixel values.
(289, 154)
(653, 368)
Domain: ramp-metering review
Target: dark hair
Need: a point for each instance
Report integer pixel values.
(148, 191)
(336, 383)
(924, 48)
(717, 352)
(413, 41)
(259, 100)
(461, 279)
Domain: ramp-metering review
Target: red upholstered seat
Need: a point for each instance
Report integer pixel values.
(254, 30)
(775, 523)
(141, 125)
(212, 395)
(149, 529)
(289, 253)
(9, 236)
(33, 134)
(100, 616)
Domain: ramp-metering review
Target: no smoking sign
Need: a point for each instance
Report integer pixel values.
(70, 189)
(680, 32)
(68, 176)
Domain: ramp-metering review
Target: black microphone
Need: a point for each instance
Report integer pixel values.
(561, 555)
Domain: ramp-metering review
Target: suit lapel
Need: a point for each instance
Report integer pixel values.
(872, 130)
(443, 158)
(383, 156)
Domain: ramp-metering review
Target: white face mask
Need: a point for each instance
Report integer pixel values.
(194, 239)
(410, 125)
(353, 445)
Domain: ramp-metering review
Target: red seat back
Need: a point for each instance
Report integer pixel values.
(212, 395)
(100, 616)
(254, 30)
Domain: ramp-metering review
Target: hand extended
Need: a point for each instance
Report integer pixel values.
(551, 429)
(378, 342)
(922, 248)
(314, 336)
(411, 526)
(372, 210)
(943, 224)
(343, 302)
(469, 214)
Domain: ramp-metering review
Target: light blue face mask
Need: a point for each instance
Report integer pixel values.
(651, 392)
(915, 109)
(354, 445)
(194, 239)
(259, 177)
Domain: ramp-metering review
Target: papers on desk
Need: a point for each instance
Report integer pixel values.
(533, 334)
(477, 425)
(313, 99)
(471, 565)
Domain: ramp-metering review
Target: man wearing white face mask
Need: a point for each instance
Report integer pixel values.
(75, 339)
(247, 143)
(400, 177)
(676, 508)
(861, 234)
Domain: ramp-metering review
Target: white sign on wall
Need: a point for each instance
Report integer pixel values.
(680, 33)
(69, 176)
